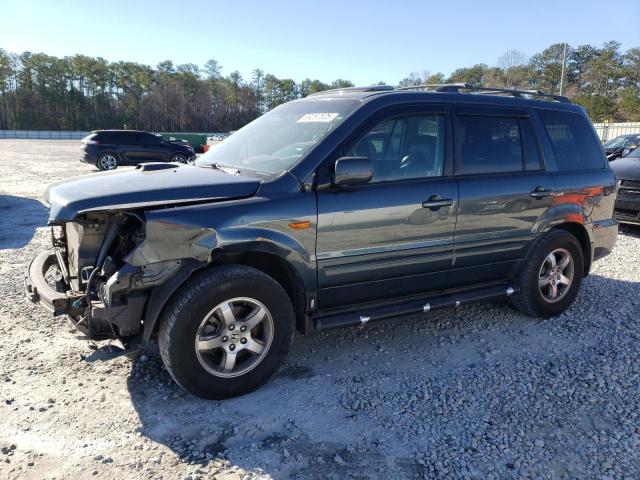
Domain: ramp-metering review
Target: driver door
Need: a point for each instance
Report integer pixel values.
(392, 236)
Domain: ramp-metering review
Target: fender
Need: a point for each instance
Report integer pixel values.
(199, 234)
(271, 241)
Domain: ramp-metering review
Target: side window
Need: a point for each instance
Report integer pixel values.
(103, 137)
(489, 144)
(574, 144)
(128, 138)
(404, 147)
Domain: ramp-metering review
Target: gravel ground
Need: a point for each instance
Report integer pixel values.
(477, 392)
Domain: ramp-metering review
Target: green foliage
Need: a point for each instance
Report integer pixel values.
(629, 104)
(39, 91)
(605, 81)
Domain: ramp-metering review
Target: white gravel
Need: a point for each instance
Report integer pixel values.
(478, 392)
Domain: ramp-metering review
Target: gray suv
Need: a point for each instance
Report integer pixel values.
(340, 209)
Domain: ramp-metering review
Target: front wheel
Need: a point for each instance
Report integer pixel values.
(226, 332)
(551, 275)
(179, 158)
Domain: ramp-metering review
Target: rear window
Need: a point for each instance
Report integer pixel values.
(105, 137)
(574, 144)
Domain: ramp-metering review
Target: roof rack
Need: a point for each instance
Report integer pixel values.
(371, 88)
(469, 88)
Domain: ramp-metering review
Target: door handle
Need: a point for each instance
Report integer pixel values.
(435, 202)
(540, 192)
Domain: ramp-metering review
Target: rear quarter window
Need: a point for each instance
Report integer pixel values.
(103, 137)
(574, 144)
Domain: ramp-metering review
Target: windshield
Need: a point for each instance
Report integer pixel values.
(276, 141)
(615, 143)
(634, 153)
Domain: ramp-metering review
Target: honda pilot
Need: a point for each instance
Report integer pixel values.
(341, 209)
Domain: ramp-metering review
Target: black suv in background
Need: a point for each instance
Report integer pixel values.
(340, 209)
(107, 149)
(620, 146)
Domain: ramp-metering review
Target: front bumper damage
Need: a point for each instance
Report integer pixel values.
(38, 289)
(123, 307)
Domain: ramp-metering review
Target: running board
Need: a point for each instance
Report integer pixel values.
(410, 308)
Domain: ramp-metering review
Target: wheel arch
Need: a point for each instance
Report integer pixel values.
(110, 152)
(579, 231)
(277, 268)
(267, 262)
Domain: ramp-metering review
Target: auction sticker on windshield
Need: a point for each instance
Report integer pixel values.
(318, 117)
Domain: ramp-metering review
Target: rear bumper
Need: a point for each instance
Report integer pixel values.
(88, 154)
(605, 234)
(37, 288)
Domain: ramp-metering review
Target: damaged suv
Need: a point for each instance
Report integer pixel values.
(340, 209)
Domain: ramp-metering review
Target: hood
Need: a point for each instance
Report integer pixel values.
(148, 185)
(626, 168)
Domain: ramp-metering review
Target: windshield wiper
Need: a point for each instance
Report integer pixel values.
(225, 169)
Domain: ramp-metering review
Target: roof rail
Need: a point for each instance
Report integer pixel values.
(371, 88)
(469, 88)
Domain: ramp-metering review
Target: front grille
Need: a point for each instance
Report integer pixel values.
(629, 187)
(626, 214)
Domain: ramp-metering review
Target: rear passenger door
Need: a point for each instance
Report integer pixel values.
(504, 192)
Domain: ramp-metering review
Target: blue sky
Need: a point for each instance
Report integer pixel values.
(364, 42)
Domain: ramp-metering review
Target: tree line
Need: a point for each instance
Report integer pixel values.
(44, 92)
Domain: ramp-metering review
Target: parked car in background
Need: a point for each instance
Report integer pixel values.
(616, 147)
(627, 207)
(339, 209)
(212, 141)
(108, 149)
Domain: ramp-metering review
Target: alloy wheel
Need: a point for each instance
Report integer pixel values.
(108, 162)
(556, 275)
(234, 337)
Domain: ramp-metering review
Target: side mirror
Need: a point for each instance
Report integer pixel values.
(352, 171)
(625, 152)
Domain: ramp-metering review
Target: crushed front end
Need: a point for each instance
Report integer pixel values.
(86, 274)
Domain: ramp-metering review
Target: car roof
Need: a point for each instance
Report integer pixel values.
(453, 93)
(119, 131)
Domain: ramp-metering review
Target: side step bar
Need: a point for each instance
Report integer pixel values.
(410, 308)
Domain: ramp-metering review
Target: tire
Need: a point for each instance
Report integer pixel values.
(536, 280)
(107, 161)
(179, 158)
(193, 314)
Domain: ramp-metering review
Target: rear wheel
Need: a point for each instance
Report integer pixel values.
(550, 277)
(107, 161)
(226, 332)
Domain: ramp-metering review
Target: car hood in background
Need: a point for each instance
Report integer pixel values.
(626, 168)
(146, 186)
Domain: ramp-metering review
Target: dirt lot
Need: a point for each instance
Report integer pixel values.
(478, 392)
